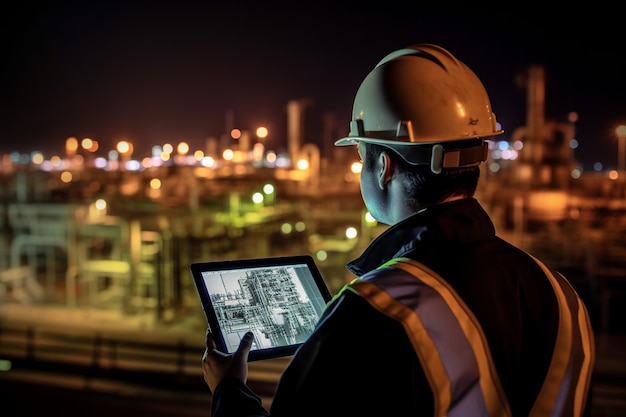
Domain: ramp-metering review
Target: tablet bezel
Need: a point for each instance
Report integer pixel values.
(197, 268)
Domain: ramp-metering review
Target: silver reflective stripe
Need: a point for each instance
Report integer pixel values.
(453, 349)
(445, 335)
(573, 356)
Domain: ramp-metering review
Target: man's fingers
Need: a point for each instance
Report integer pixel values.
(245, 344)
(209, 342)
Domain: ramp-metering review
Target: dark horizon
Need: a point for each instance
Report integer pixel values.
(173, 71)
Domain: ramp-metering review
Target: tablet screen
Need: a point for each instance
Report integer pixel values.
(279, 300)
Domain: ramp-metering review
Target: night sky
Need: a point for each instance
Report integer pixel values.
(157, 71)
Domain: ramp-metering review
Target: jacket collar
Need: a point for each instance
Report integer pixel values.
(457, 221)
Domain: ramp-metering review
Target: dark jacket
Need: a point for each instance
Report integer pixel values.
(360, 362)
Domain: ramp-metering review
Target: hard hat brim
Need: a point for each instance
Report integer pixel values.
(437, 154)
(353, 140)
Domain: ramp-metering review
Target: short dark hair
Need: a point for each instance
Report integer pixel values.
(422, 186)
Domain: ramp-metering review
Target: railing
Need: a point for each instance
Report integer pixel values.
(145, 360)
(95, 354)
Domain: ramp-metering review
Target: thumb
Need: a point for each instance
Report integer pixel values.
(245, 345)
(209, 342)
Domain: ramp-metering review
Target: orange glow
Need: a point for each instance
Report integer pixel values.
(547, 205)
(56, 161)
(572, 117)
(71, 145)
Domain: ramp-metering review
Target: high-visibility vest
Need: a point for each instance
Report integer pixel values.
(457, 362)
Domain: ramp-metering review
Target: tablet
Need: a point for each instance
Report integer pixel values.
(279, 300)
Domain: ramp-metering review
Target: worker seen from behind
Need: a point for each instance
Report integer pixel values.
(444, 318)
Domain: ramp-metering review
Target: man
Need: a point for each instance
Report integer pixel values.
(445, 318)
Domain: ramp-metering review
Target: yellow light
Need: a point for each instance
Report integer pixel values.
(261, 132)
(228, 154)
(124, 147)
(86, 143)
(168, 148)
(285, 228)
(321, 255)
(351, 232)
(37, 158)
(257, 151)
(356, 167)
(207, 161)
(302, 164)
(155, 183)
(66, 177)
(182, 148)
(101, 204)
(271, 157)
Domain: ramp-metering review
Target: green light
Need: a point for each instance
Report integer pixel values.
(257, 198)
(5, 365)
(268, 188)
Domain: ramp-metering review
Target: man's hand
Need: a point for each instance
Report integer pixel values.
(218, 365)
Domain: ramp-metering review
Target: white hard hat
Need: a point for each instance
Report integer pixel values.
(427, 106)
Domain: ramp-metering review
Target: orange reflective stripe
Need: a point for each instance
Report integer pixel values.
(471, 358)
(589, 349)
(420, 339)
(553, 396)
(495, 398)
(572, 358)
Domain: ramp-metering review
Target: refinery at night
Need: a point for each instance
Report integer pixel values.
(102, 239)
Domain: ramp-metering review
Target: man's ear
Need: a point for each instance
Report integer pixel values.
(386, 168)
